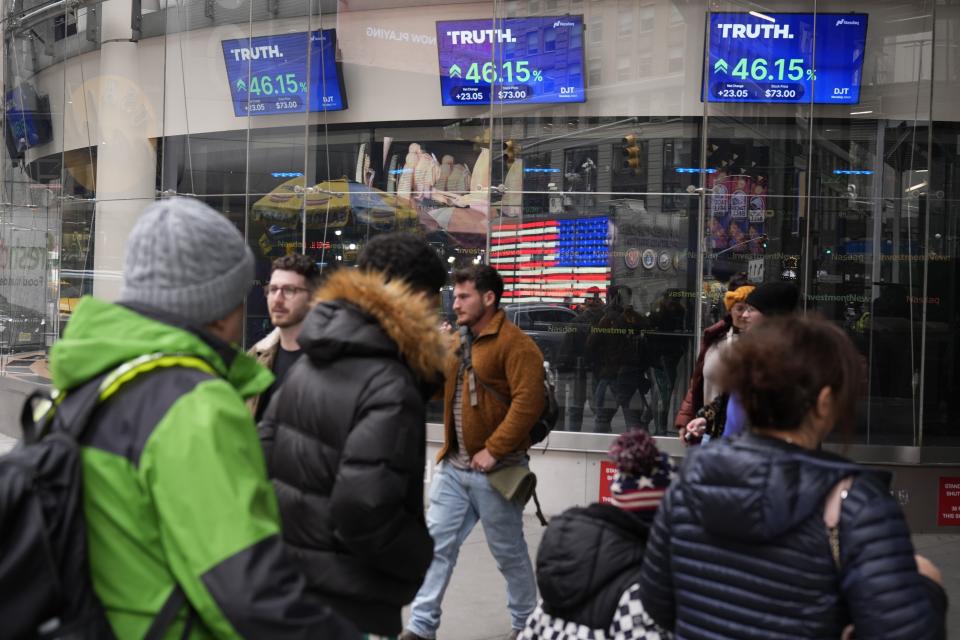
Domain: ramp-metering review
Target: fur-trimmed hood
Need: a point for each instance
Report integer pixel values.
(360, 314)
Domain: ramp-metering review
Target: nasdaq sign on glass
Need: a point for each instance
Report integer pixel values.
(270, 74)
(516, 60)
(786, 57)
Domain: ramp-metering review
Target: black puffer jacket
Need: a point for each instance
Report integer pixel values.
(588, 558)
(345, 443)
(739, 550)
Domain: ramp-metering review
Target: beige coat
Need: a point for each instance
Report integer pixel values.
(265, 352)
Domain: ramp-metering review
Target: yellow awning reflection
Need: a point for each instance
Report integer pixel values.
(331, 203)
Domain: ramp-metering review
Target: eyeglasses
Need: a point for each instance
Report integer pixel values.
(288, 291)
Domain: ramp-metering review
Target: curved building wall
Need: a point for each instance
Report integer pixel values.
(389, 63)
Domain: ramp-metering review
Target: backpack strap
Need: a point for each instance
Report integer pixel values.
(37, 410)
(168, 613)
(75, 419)
(831, 516)
(540, 516)
(466, 364)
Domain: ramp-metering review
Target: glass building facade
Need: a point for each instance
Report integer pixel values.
(595, 151)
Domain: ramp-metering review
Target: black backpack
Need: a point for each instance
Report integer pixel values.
(551, 408)
(45, 579)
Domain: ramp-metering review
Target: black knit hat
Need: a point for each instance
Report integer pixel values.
(774, 298)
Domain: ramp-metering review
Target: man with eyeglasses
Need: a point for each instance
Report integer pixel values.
(293, 279)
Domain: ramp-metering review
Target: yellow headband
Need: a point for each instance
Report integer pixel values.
(739, 294)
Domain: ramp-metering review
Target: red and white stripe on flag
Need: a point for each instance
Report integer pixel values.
(527, 257)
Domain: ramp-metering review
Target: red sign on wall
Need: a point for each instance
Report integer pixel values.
(607, 471)
(948, 503)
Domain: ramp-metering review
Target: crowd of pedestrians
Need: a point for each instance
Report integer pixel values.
(196, 527)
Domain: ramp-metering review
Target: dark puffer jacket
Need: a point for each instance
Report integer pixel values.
(345, 443)
(739, 550)
(588, 558)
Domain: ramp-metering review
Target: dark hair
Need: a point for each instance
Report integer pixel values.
(298, 263)
(406, 257)
(778, 369)
(484, 278)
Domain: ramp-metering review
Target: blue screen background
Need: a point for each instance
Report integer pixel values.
(21, 120)
(254, 97)
(840, 43)
(551, 45)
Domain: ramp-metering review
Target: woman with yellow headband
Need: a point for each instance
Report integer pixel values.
(703, 387)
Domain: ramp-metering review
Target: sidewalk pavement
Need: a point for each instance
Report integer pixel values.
(475, 606)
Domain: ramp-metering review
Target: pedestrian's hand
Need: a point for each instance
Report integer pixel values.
(693, 433)
(483, 461)
(927, 568)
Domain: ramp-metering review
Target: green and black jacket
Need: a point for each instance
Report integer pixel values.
(175, 488)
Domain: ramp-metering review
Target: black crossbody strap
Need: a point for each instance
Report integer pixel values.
(168, 613)
(540, 516)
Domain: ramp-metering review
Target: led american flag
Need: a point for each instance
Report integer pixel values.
(551, 260)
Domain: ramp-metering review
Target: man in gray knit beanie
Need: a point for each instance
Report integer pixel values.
(189, 260)
(175, 478)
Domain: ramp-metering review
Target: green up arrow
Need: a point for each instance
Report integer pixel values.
(720, 66)
(241, 85)
(455, 72)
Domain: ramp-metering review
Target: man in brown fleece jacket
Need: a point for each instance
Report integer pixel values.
(488, 414)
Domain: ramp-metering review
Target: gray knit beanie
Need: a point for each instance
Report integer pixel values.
(186, 258)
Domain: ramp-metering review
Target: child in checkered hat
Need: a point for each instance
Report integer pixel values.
(589, 560)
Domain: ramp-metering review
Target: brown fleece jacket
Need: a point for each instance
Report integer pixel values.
(507, 360)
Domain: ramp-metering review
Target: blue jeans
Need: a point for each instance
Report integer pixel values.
(458, 499)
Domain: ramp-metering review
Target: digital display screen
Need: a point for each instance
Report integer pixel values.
(786, 57)
(270, 74)
(511, 61)
(28, 119)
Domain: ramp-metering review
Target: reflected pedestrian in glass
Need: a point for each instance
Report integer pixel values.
(617, 344)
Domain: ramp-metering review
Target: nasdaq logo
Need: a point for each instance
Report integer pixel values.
(483, 36)
(264, 52)
(844, 21)
(561, 23)
(755, 31)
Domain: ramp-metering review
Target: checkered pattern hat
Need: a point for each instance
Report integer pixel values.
(643, 473)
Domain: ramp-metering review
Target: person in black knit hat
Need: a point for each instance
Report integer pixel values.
(770, 299)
